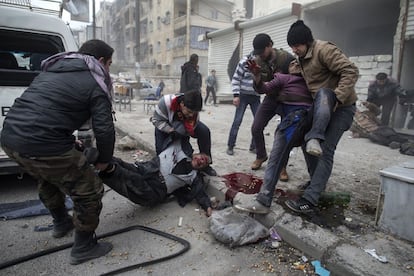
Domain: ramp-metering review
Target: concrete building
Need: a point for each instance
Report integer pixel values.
(376, 34)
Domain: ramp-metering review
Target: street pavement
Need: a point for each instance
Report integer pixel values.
(357, 162)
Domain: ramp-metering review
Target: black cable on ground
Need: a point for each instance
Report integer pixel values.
(185, 243)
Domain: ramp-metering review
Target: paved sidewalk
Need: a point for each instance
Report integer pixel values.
(357, 163)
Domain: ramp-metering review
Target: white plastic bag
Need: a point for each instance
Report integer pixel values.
(234, 228)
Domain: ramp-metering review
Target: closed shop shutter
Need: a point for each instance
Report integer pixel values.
(220, 51)
(276, 29)
(409, 33)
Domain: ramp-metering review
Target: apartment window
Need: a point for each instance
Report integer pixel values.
(168, 44)
(151, 27)
(126, 16)
(151, 50)
(167, 18)
(158, 49)
(214, 14)
(159, 23)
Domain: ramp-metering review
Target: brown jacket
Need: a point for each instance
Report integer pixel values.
(325, 66)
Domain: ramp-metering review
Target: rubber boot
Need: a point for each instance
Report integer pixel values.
(86, 247)
(62, 222)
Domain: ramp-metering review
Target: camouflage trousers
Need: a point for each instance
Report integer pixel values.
(66, 174)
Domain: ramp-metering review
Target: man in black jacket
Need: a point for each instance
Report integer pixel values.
(37, 133)
(190, 75)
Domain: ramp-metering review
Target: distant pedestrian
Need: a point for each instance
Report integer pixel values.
(211, 86)
(383, 92)
(37, 134)
(176, 117)
(190, 76)
(243, 95)
(161, 86)
(330, 77)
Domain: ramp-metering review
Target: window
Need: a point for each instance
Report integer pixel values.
(158, 49)
(159, 23)
(151, 27)
(21, 54)
(168, 44)
(151, 50)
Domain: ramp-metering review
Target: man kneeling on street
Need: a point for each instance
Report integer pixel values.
(149, 183)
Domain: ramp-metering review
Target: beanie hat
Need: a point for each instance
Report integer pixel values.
(260, 42)
(192, 99)
(299, 33)
(381, 76)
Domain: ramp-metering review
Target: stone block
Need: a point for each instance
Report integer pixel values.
(383, 58)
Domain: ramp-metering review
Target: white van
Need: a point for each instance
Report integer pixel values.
(26, 38)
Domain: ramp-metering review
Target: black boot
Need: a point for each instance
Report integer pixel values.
(62, 222)
(86, 248)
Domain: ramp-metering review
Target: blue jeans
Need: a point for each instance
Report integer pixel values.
(329, 131)
(245, 100)
(267, 110)
(289, 133)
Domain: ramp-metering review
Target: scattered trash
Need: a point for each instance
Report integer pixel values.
(374, 254)
(234, 228)
(304, 259)
(348, 219)
(43, 228)
(197, 210)
(274, 236)
(299, 266)
(180, 221)
(319, 269)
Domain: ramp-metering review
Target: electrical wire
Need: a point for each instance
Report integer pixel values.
(185, 243)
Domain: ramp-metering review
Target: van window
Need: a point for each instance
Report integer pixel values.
(21, 54)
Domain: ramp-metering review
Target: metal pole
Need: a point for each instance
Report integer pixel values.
(137, 30)
(93, 20)
(187, 39)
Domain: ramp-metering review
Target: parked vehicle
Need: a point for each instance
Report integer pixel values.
(146, 89)
(26, 38)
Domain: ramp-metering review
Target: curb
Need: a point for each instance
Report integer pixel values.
(338, 255)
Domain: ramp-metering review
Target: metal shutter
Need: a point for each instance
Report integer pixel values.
(220, 51)
(409, 33)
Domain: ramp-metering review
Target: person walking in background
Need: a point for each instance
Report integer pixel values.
(176, 117)
(211, 86)
(37, 134)
(190, 76)
(271, 61)
(383, 92)
(243, 95)
(161, 86)
(330, 76)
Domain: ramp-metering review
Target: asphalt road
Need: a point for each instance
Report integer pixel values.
(205, 257)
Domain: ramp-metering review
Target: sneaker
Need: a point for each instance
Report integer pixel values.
(303, 186)
(313, 147)
(248, 203)
(283, 175)
(257, 164)
(300, 206)
(230, 151)
(209, 171)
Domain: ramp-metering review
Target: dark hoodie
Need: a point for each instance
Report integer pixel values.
(190, 78)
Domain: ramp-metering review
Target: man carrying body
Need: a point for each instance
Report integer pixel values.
(37, 134)
(330, 76)
(271, 61)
